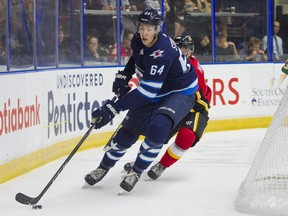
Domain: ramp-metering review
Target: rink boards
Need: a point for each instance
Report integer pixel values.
(44, 114)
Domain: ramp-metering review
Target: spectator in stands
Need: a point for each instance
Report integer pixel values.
(277, 42)
(252, 51)
(206, 6)
(192, 5)
(167, 7)
(17, 38)
(225, 50)
(194, 25)
(3, 50)
(126, 50)
(112, 4)
(155, 4)
(68, 49)
(62, 44)
(136, 5)
(94, 52)
(93, 4)
(108, 4)
(204, 40)
(125, 5)
(20, 45)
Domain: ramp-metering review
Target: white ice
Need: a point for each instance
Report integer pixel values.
(204, 182)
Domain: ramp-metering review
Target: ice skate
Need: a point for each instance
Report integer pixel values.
(130, 181)
(95, 176)
(156, 171)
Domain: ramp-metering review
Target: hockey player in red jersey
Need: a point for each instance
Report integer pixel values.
(193, 125)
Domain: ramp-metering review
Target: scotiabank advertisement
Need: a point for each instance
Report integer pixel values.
(39, 109)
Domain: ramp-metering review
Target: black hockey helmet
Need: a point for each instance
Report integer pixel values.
(151, 16)
(185, 41)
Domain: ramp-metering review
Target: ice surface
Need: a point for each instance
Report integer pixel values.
(204, 182)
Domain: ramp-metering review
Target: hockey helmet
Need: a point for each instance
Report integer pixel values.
(185, 42)
(151, 16)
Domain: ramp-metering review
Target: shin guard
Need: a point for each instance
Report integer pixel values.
(184, 140)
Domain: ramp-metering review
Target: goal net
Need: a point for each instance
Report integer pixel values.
(264, 191)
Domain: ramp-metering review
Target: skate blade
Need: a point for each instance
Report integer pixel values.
(86, 185)
(147, 178)
(122, 192)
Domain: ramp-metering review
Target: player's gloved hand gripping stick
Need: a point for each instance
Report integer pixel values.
(100, 116)
(121, 83)
(105, 114)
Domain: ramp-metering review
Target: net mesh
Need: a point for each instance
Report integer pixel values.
(265, 188)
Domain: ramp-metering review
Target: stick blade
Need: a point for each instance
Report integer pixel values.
(26, 200)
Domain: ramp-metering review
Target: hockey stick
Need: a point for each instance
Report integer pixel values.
(107, 147)
(24, 199)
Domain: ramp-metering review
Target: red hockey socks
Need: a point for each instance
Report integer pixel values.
(184, 140)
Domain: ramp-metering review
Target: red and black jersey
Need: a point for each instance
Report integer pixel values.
(203, 94)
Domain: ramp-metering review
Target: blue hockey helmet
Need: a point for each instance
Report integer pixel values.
(185, 42)
(151, 16)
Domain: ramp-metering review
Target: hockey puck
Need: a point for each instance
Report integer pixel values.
(37, 207)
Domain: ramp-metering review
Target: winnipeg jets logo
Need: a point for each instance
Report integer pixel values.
(157, 54)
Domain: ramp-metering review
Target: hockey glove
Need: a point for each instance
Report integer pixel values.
(120, 84)
(105, 114)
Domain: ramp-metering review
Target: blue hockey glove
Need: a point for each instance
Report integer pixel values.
(120, 84)
(105, 114)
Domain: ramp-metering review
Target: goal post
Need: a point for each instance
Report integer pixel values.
(264, 191)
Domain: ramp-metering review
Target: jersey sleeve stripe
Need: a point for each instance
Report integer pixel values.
(192, 88)
(146, 93)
